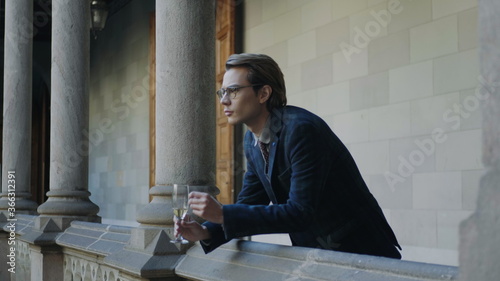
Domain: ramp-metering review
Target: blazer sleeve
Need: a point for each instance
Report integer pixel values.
(310, 164)
(253, 193)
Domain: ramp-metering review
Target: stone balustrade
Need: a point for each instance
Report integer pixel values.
(100, 252)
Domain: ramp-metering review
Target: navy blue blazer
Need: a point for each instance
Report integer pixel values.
(317, 191)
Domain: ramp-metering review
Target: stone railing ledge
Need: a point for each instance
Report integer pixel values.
(243, 260)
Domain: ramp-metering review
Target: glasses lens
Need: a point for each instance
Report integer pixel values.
(220, 93)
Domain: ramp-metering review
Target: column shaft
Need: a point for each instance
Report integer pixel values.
(68, 195)
(185, 103)
(16, 146)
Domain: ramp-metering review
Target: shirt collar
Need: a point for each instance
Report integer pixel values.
(265, 136)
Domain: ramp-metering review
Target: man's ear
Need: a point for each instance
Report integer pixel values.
(265, 93)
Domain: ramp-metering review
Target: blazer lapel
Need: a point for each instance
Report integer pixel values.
(260, 167)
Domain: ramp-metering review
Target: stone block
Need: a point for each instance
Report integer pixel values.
(279, 52)
(391, 197)
(372, 157)
(413, 13)
(348, 67)
(470, 110)
(259, 37)
(390, 121)
(317, 72)
(470, 188)
(434, 39)
(306, 99)
(437, 191)
(331, 35)
(287, 26)
(315, 14)
(273, 9)
(253, 15)
(292, 79)
(456, 72)
(372, 21)
(468, 144)
(333, 99)
(389, 52)
(433, 113)
(352, 127)
(369, 91)
(406, 223)
(441, 8)
(412, 155)
(410, 82)
(302, 48)
(467, 29)
(448, 228)
(342, 9)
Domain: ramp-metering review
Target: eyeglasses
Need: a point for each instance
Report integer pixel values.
(232, 91)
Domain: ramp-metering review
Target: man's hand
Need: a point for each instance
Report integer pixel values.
(191, 230)
(206, 207)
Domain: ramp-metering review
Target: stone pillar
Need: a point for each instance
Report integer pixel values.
(68, 198)
(480, 234)
(185, 103)
(16, 144)
(185, 131)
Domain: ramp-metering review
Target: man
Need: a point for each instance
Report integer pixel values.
(294, 161)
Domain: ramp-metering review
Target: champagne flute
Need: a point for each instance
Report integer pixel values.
(180, 206)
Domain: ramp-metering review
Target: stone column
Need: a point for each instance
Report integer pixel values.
(185, 103)
(480, 234)
(68, 198)
(185, 130)
(16, 144)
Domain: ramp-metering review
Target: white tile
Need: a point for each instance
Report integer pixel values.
(437, 191)
(431, 113)
(292, 4)
(448, 228)
(392, 197)
(470, 110)
(317, 72)
(302, 48)
(333, 99)
(345, 68)
(442, 8)
(434, 39)
(456, 72)
(342, 8)
(415, 227)
(390, 121)
(352, 127)
(315, 14)
(272, 9)
(460, 151)
(259, 37)
(410, 82)
(372, 157)
(287, 25)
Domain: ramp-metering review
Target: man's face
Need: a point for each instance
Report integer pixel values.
(246, 106)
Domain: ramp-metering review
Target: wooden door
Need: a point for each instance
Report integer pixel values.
(225, 32)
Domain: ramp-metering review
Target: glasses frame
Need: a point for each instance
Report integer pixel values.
(232, 91)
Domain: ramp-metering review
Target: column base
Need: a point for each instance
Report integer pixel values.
(22, 203)
(62, 203)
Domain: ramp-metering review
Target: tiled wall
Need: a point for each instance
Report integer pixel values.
(119, 114)
(403, 100)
